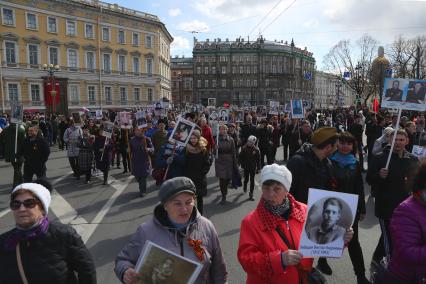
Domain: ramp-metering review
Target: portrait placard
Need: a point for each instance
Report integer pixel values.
(419, 151)
(182, 132)
(141, 119)
(211, 102)
(274, 107)
(330, 214)
(159, 265)
(124, 118)
(107, 129)
(224, 115)
(17, 112)
(99, 114)
(297, 109)
(239, 116)
(405, 94)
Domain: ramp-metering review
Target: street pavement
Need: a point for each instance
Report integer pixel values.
(107, 215)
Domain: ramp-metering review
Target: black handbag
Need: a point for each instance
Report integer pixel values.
(314, 276)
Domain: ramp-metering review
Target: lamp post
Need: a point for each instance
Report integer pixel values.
(51, 69)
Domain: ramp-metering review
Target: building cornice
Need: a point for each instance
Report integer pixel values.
(72, 44)
(32, 39)
(53, 42)
(9, 36)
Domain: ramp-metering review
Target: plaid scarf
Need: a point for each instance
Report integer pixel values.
(278, 210)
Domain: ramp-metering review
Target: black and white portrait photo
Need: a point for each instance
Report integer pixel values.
(140, 119)
(107, 129)
(182, 132)
(17, 113)
(211, 102)
(157, 265)
(224, 114)
(330, 214)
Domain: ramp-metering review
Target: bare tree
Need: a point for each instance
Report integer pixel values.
(357, 60)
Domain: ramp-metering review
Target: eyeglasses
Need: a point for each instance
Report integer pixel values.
(28, 203)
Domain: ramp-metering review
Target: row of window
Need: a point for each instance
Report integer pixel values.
(223, 69)
(71, 28)
(33, 58)
(13, 91)
(235, 83)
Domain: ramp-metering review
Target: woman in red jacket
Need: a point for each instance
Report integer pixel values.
(262, 252)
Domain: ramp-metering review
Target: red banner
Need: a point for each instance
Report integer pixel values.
(48, 99)
(375, 105)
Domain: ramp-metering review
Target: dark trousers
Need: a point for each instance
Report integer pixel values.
(105, 176)
(223, 184)
(249, 175)
(380, 252)
(355, 251)
(142, 184)
(88, 174)
(74, 166)
(114, 154)
(361, 156)
(263, 153)
(285, 150)
(30, 172)
(17, 173)
(200, 204)
(126, 163)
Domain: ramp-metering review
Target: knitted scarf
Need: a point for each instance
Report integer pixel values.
(19, 234)
(278, 210)
(344, 160)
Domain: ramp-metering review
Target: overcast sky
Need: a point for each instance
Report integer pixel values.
(316, 24)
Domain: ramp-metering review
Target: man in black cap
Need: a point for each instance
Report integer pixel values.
(311, 168)
(36, 152)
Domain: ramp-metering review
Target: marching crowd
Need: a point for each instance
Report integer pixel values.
(326, 150)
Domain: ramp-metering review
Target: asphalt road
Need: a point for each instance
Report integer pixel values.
(106, 216)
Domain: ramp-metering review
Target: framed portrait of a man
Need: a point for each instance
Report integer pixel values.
(17, 112)
(182, 132)
(297, 109)
(330, 214)
(211, 102)
(157, 265)
(399, 93)
(107, 129)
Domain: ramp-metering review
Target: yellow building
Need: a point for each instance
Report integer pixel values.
(109, 57)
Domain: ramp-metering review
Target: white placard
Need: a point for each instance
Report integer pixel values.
(419, 151)
(329, 215)
(99, 114)
(406, 94)
(140, 119)
(107, 129)
(159, 265)
(124, 118)
(182, 132)
(17, 112)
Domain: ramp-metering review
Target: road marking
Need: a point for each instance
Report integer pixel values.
(120, 186)
(6, 211)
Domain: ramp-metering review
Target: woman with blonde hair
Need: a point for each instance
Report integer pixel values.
(197, 165)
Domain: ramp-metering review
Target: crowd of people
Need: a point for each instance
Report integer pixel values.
(326, 150)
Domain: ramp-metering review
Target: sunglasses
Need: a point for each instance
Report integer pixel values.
(28, 203)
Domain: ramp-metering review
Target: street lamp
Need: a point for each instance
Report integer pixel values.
(51, 69)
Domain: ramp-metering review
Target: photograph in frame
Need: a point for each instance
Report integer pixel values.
(297, 109)
(419, 151)
(17, 112)
(124, 119)
(399, 93)
(211, 102)
(108, 129)
(182, 132)
(239, 116)
(224, 115)
(274, 107)
(330, 214)
(99, 114)
(140, 117)
(158, 265)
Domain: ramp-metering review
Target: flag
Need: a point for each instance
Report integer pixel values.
(48, 95)
(308, 75)
(375, 105)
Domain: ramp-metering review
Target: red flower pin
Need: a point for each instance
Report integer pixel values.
(196, 245)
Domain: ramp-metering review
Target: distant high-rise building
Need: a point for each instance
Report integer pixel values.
(254, 72)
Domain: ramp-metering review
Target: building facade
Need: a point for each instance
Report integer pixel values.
(182, 81)
(108, 56)
(255, 72)
(331, 90)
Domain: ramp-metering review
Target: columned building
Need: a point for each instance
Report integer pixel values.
(108, 56)
(255, 72)
(332, 91)
(182, 81)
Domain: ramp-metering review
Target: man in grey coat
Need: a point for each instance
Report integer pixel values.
(72, 137)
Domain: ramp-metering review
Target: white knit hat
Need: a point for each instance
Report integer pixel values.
(42, 193)
(277, 173)
(252, 139)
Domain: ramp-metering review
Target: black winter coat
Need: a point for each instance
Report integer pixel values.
(249, 158)
(197, 165)
(349, 180)
(36, 152)
(294, 141)
(246, 131)
(390, 192)
(308, 172)
(59, 257)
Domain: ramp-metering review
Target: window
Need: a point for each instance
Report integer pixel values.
(213, 83)
(71, 28)
(135, 39)
(52, 26)
(136, 65)
(90, 61)
(72, 58)
(74, 93)
(137, 94)
(248, 83)
(234, 83)
(206, 83)
(223, 58)
(241, 69)
(234, 69)
(148, 41)
(123, 95)
(223, 69)
(248, 69)
(198, 83)
(91, 94)
(105, 34)
(198, 70)
(213, 70)
(150, 94)
(108, 95)
(206, 70)
(121, 37)
(254, 69)
(13, 92)
(223, 83)
(254, 83)
(149, 66)
(122, 63)
(53, 55)
(266, 82)
(8, 17)
(33, 54)
(35, 92)
(107, 62)
(10, 52)
(32, 21)
(88, 31)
